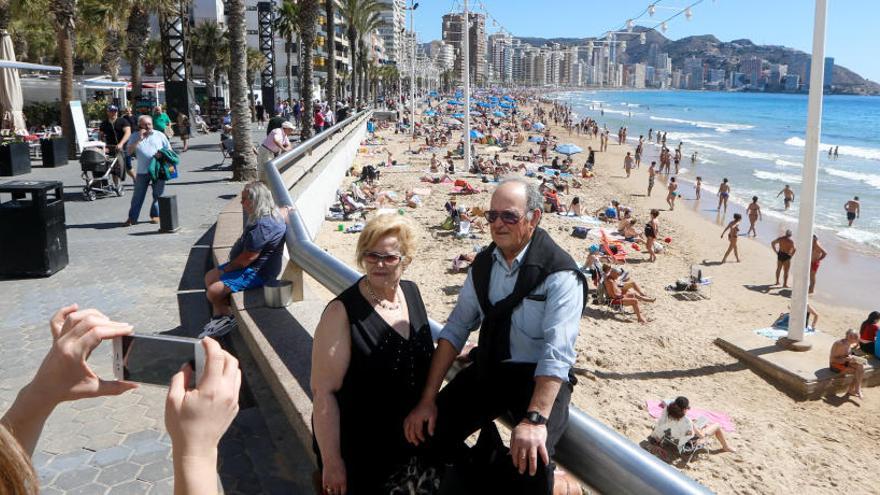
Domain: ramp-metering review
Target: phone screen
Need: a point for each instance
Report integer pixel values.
(155, 360)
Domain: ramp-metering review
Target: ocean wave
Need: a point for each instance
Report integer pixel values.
(856, 151)
(860, 236)
(719, 127)
(684, 136)
(784, 178)
(872, 180)
(787, 163)
(619, 112)
(756, 155)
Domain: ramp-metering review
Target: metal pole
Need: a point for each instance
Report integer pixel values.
(466, 61)
(412, 81)
(801, 276)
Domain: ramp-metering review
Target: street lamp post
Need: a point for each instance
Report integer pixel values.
(412, 82)
(466, 61)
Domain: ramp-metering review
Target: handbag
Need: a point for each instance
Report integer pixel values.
(169, 131)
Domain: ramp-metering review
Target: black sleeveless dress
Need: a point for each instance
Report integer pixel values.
(384, 381)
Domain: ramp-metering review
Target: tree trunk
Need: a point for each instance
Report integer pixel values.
(244, 163)
(308, 17)
(210, 88)
(112, 54)
(352, 53)
(137, 34)
(64, 12)
(331, 68)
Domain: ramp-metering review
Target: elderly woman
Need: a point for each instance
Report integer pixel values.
(255, 257)
(674, 421)
(370, 360)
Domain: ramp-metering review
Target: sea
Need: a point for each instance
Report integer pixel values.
(756, 141)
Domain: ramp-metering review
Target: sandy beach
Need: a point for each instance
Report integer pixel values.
(782, 445)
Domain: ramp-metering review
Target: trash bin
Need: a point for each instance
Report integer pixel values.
(54, 151)
(33, 236)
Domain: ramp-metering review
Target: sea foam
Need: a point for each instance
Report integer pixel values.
(718, 127)
(856, 151)
(779, 177)
(872, 180)
(756, 155)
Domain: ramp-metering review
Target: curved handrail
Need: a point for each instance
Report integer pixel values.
(600, 456)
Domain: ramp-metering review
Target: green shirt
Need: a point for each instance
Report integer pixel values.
(161, 121)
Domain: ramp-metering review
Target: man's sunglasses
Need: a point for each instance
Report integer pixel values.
(506, 216)
(387, 259)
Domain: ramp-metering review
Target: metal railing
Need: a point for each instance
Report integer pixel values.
(594, 453)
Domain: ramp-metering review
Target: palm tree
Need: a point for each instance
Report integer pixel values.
(137, 33)
(256, 62)
(208, 47)
(244, 163)
(330, 12)
(64, 17)
(356, 14)
(370, 22)
(308, 18)
(104, 17)
(152, 56)
(287, 26)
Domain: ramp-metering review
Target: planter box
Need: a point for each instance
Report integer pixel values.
(54, 151)
(15, 159)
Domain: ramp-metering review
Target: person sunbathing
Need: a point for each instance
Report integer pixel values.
(842, 360)
(675, 423)
(627, 228)
(618, 296)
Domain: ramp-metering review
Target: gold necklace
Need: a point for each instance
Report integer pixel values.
(380, 302)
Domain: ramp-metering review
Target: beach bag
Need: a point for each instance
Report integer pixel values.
(447, 224)
(580, 232)
(163, 166)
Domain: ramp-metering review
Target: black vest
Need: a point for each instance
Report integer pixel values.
(543, 258)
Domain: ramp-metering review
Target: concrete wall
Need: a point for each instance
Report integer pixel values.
(316, 198)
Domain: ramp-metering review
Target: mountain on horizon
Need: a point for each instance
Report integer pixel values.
(719, 54)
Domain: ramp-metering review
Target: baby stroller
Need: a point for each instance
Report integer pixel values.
(98, 173)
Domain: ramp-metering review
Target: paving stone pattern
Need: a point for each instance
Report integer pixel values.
(118, 445)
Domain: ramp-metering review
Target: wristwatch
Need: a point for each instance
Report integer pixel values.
(535, 418)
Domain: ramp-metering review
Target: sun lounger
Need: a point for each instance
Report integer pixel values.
(618, 255)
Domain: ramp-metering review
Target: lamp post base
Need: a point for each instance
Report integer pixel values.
(794, 345)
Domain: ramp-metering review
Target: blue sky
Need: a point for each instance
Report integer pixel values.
(853, 28)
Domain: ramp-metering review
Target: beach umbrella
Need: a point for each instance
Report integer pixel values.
(484, 104)
(505, 105)
(430, 113)
(493, 99)
(433, 94)
(458, 94)
(458, 115)
(568, 149)
(454, 102)
(475, 134)
(451, 121)
(10, 86)
(507, 98)
(476, 113)
(536, 139)
(499, 113)
(538, 126)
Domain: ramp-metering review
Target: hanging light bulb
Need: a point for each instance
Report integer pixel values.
(651, 9)
(688, 14)
(629, 25)
(663, 26)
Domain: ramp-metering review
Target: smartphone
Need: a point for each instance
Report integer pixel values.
(154, 359)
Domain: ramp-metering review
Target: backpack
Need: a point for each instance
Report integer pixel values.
(580, 232)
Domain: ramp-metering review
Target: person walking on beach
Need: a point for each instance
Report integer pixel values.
(670, 198)
(852, 208)
(652, 230)
(784, 248)
(723, 194)
(652, 174)
(528, 295)
(628, 164)
(754, 212)
(698, 187)
(591, 158)
(787, 196)
(817, 254)
(733, 229)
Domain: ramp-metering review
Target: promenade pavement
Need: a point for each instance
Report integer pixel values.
(152, 280)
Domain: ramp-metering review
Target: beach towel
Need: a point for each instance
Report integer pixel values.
(655, 409)
(776, 333)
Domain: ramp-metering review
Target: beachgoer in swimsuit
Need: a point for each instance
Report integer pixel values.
(733, 228)
(723, 194)
(852, 208)
(868, 334)
(784, 248)
(628, 164)
(698, 187)
(754, 211)
(841, 360)
(670, 198)
(652, 230)
(619, 298)
(787, 196)
(652, 172)
(817, 254)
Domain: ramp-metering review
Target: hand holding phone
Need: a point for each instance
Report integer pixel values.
(64, 374)
(196, 418)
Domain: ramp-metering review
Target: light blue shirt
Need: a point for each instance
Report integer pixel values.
(147, 148)
(542, 332)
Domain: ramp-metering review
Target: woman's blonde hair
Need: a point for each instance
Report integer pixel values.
(17, 476)
(384, 225)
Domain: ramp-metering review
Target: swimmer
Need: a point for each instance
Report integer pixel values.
(733, 229)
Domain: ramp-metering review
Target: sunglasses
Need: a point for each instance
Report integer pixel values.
(506, 216)
(387, 259)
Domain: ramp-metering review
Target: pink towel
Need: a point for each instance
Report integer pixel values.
(655, 409)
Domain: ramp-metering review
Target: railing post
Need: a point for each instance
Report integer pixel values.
(294, 273)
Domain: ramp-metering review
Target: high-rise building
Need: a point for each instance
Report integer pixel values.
(442, 53)
(638, 76)
(777, 73)
(752, 68)
(716, 78)
(828, 72)
(393, 15)
(500, 50)
(453, 26)
(791, 82)
(694, 67)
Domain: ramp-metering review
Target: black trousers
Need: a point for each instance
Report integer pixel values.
(475, 397)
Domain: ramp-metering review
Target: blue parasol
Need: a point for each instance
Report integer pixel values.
(536, 139)
(475, 134)
(538, 126)
(568, 149)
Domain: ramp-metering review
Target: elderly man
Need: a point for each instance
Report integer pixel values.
(255, 257)
(526, 295)
(784, 248)
(842, 361)
(144, 145)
